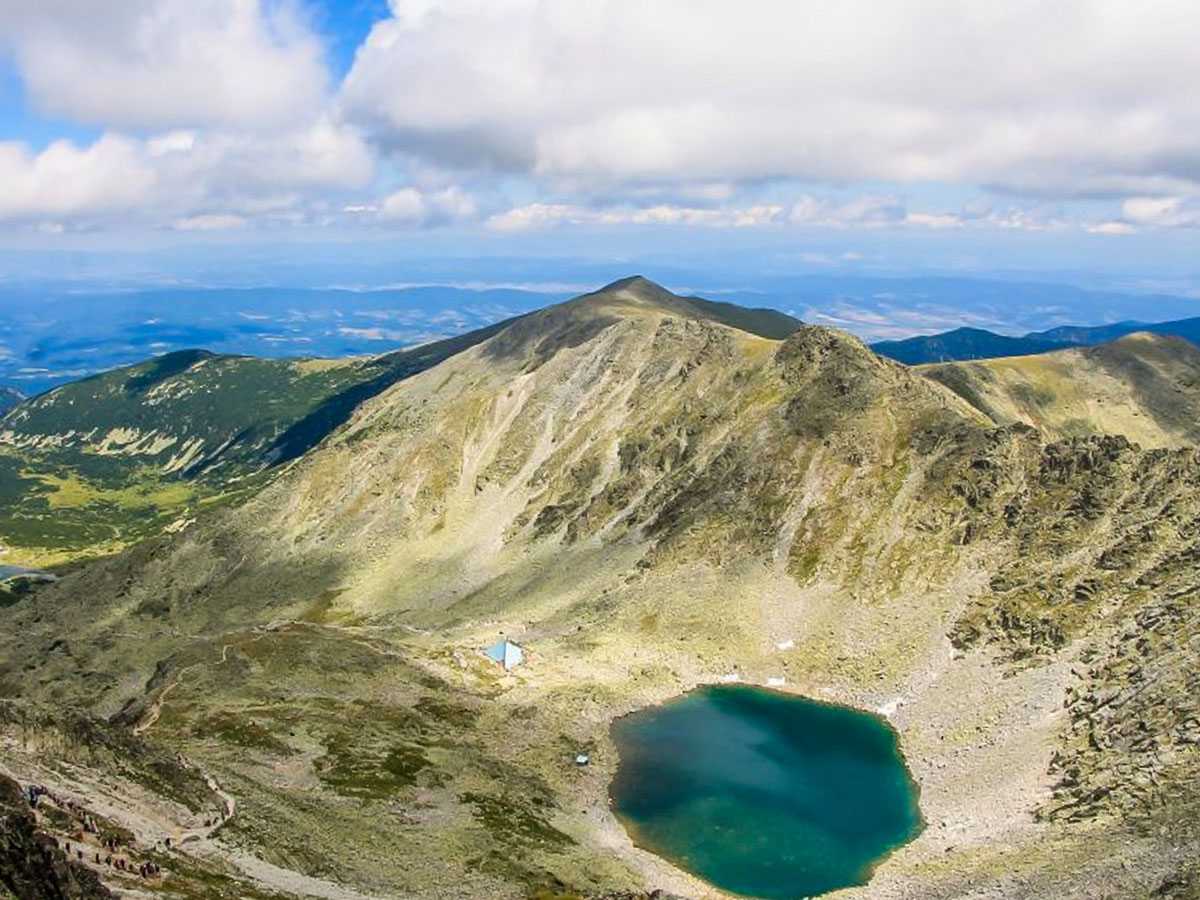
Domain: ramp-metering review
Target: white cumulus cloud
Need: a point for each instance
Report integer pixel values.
(525, 114)
(154, 64)
(205, 177)
(1078, 97)
(412, 207)
(1162, 212)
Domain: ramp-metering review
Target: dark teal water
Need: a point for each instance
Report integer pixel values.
(761, 793)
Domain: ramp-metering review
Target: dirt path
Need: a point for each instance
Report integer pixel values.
(150, 819)
(156, 707)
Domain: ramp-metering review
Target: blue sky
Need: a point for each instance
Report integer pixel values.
(920, 136)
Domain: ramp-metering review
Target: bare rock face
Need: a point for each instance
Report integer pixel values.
(32, 866)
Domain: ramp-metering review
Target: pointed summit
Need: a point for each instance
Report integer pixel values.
(639, 291)
(632, 283)
(537, 336)
(642, 288)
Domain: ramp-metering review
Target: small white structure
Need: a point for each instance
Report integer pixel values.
(785, 645)
(775, 681)
(887, 710)
(506, 653)
(581, 759)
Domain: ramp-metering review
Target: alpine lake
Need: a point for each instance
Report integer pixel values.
(761, 793)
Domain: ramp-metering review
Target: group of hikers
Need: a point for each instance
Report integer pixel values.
(113, 847)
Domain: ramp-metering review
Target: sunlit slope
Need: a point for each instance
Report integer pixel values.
(90, 466)
(647, 498)
(1145, 387)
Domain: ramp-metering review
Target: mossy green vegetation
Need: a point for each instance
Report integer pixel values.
(1143, 387)
(353, 769)
(514, 820)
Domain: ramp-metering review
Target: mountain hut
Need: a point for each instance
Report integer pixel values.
(506, 653)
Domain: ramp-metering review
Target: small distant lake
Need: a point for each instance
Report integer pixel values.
(762, 793)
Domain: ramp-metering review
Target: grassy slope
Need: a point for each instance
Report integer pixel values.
(648, 500)
(1143, 386)
(91, 466)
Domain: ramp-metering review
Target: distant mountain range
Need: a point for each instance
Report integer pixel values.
(52, 333)
(48, 339)
(976, 343)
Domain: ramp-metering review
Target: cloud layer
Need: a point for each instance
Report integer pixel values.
(1091, 97)
(181, 177)
(518, 114)
(167, 63)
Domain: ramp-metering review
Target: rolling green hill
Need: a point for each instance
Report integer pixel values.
(646, 499)
(88, 467)
(1145, 387)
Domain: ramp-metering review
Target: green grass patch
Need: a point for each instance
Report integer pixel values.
(356, 771)
(231, 728)
(509, 820)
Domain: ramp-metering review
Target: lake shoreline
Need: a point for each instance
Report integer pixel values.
(715, 741)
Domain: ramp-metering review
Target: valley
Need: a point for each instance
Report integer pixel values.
(95, 465)
(647, 493)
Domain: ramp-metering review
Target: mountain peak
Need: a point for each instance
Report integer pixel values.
(636, 283)
(537, 336)
(638, 291)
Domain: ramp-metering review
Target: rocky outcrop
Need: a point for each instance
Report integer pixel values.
(32, 865)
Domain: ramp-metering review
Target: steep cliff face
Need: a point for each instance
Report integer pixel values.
(647, 497)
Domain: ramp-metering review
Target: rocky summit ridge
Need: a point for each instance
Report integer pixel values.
(646, 493)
